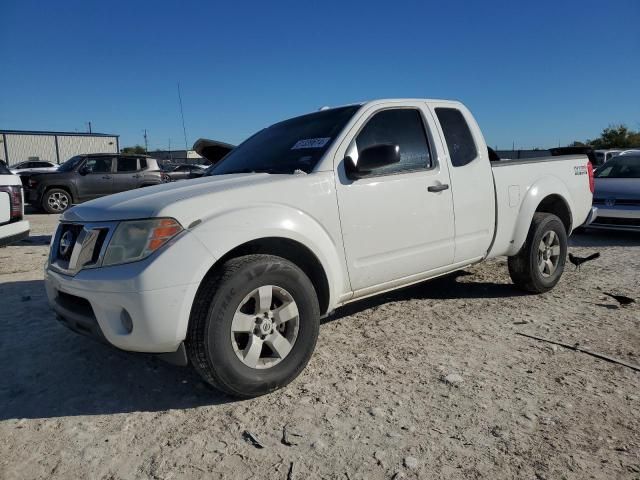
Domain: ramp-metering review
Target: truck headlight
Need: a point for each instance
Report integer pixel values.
(135, 240)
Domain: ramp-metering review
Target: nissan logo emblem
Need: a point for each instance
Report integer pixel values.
(66, 242)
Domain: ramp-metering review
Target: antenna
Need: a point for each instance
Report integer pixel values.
(184, 130)
(89, 125)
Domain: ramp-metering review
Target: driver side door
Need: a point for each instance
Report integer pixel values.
(397, 223)
(95, 177)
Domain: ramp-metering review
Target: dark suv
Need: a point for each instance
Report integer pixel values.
(85, 177)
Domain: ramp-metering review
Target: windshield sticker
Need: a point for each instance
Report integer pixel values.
(311, 143)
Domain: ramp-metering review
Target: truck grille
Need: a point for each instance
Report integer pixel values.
(76, 246)
(630, 202)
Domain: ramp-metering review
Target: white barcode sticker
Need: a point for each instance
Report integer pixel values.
(311, 143)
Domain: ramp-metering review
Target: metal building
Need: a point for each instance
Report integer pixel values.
(20, 145)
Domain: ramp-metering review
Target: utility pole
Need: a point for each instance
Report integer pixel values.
(170, 154)
(146, 143)
(184, 130)
(89, 124)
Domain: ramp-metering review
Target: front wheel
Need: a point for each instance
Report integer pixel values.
(539, 264)
(56, 200)
(254, 325)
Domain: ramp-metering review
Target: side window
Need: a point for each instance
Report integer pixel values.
(99, 164)
(127, 164)
(458, 136)
(143, 163)
(402, 127)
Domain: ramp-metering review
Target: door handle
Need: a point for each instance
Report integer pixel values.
(137, 176)
(106, 177)
(438, 188)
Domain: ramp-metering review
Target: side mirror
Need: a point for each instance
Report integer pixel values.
(83, 170)
(371, 158)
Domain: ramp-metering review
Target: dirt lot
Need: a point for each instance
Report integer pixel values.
(373, 403)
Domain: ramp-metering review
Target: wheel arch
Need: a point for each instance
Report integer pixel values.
(66, 188)
(548, 195)
(289, 249)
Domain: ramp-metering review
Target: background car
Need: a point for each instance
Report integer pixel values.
(617, 194)
(34, 166)
(184, 171)
(605, 155)
(13, 226)
(85, 177)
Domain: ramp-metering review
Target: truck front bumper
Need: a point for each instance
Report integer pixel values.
(140, 307)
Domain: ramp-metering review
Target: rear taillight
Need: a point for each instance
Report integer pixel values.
(15, 199)
(592, 182)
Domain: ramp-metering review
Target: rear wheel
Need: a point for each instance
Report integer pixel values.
(56, 200)
(539, 264)
(254, 325)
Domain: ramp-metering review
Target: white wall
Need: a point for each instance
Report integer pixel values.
(69, 145)
(20, 147)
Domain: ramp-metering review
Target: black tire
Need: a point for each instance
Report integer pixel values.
(523, 267)
(49, 206)
(209, 343)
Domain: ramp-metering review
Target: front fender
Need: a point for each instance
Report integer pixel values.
(227, 230)
(541, 189)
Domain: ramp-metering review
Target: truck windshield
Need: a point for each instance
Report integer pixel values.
(70, 164)
(295, 144)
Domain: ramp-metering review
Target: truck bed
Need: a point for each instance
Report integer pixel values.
(522, 184)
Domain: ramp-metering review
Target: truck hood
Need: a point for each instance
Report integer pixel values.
(183, 201)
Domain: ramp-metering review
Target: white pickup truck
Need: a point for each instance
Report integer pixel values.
(13, 226)
(233, 271)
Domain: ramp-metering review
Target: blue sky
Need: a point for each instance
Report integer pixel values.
(534, 73)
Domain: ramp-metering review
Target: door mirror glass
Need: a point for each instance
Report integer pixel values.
(371, 158)
(84, 169)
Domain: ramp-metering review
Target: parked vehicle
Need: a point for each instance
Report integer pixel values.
(185, 171)
(605, 155)
(33, 166)
(13, 226)
(631, 152)
(233, 271)
(617, 194)
(86, 177)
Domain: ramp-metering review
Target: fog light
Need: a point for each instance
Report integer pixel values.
(127, 322)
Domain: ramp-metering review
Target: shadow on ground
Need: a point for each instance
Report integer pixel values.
(34, 240)
(604, 238)
(49, 371)
(443, 288)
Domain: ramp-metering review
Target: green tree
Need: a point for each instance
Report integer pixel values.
(136, 150)
(614, 136)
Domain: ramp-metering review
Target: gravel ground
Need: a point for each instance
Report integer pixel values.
(427, 382)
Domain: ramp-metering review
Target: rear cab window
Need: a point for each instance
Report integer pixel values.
(462, 148)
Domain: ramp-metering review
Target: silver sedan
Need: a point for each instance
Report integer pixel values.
(617, 194)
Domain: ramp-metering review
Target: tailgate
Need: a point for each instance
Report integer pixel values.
(5, 208)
